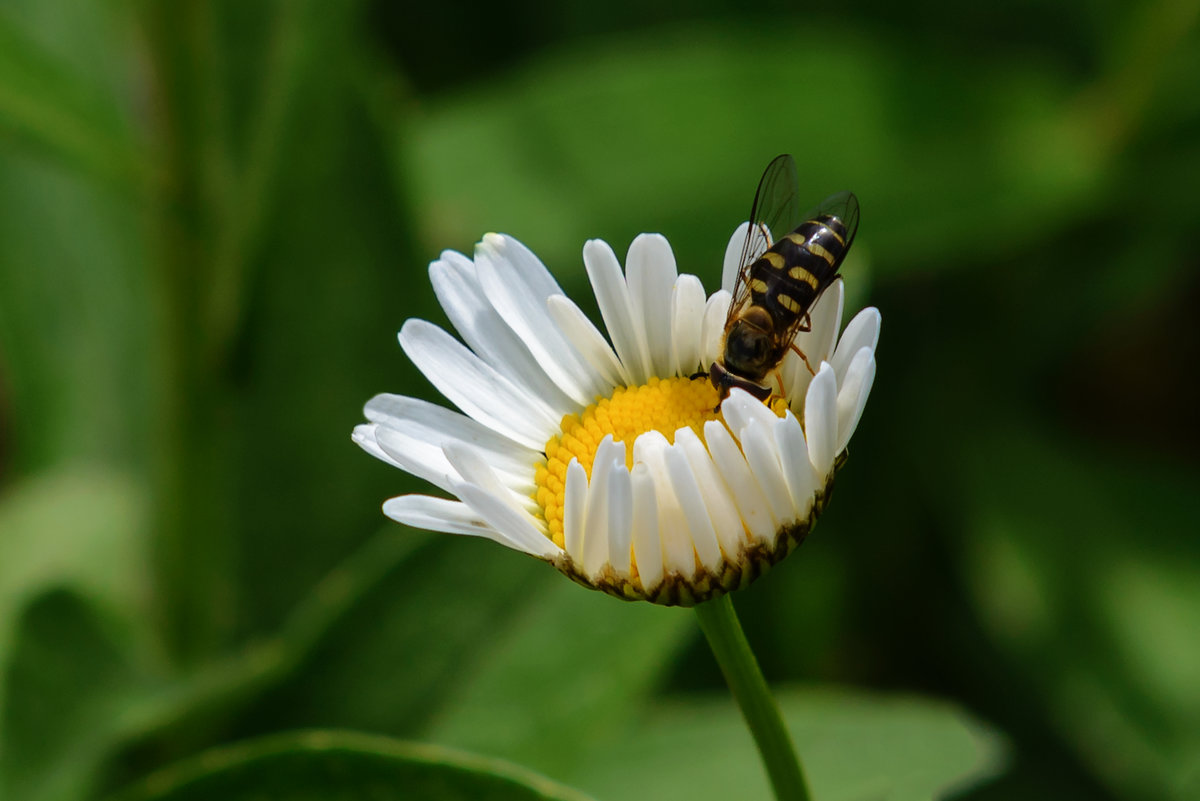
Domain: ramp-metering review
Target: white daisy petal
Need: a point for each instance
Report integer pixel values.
(620, 519)
(647, 546)
(591, 344)
(524, 310)
(506, 520)
(820, 421)
(826, 322)
(476, 387)
(612, 295)
(793, 458)
(852, 394)
(718, 500)
(695, 513)
(530, 267)
(575, 509)
(712, 330)
(861, 332)
(749, 497)
(650, 273)
(485, 332)
(678, 554)
(437, 425)
(595, 527)
(732, 263)
(741, 407)
(471, 466)
(763, 458)
(816, 344)
(687, 318)
(364, 437)
(440, 514)
(426, 462)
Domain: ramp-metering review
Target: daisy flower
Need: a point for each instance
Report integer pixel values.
(614, 458)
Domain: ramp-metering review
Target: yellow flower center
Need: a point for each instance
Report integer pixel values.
(663, 404)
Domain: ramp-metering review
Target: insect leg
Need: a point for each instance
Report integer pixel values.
(800, 353)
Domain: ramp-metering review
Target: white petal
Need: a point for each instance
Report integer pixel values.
(695, 512)
(437, 425)
(506, 520)
(575, 510)
(793, 458)
(612, 296)
(826, 322)
(470, 465)
(440, 514)
(524, 310)
(476, 387)
(687, 319)
(364, 437)
(620, 519)
(816, 344)
(647, 547)
(732, 262)
(820, 422)
(650, 274)
(532, 271)
(763, 458)
(861, 332)
(678, 554)
(595, 526)
(718, 499)
(852, 395)
(587, 339)
(712, 330)
(741, 407)
(457, 288)
(749, 497)
(427, 460)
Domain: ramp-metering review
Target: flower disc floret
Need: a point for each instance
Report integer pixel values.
(661, 404)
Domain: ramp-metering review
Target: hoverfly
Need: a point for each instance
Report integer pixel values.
(787, 262)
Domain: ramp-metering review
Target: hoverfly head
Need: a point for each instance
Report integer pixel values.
(749, 349)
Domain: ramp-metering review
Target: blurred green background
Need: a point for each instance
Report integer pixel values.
(214, 216)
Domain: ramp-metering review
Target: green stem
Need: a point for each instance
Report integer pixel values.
(719, 622)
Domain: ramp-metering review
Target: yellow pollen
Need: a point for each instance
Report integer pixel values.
(662, 404)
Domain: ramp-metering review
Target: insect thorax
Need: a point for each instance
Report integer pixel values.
(750, 348)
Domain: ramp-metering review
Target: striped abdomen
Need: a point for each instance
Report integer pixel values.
(789, 277)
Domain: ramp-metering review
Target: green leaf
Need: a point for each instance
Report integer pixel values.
(57, 109)
(74, 606)
(80, 677)
(74, 318)
(573, 668)
(344, 766)
(450, 596)
(854, 745)
(1088, 577)
(328, 279)
(74, 689)
(79, 527)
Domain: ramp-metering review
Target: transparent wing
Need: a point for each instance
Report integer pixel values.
(774, 213)
(843, 206)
